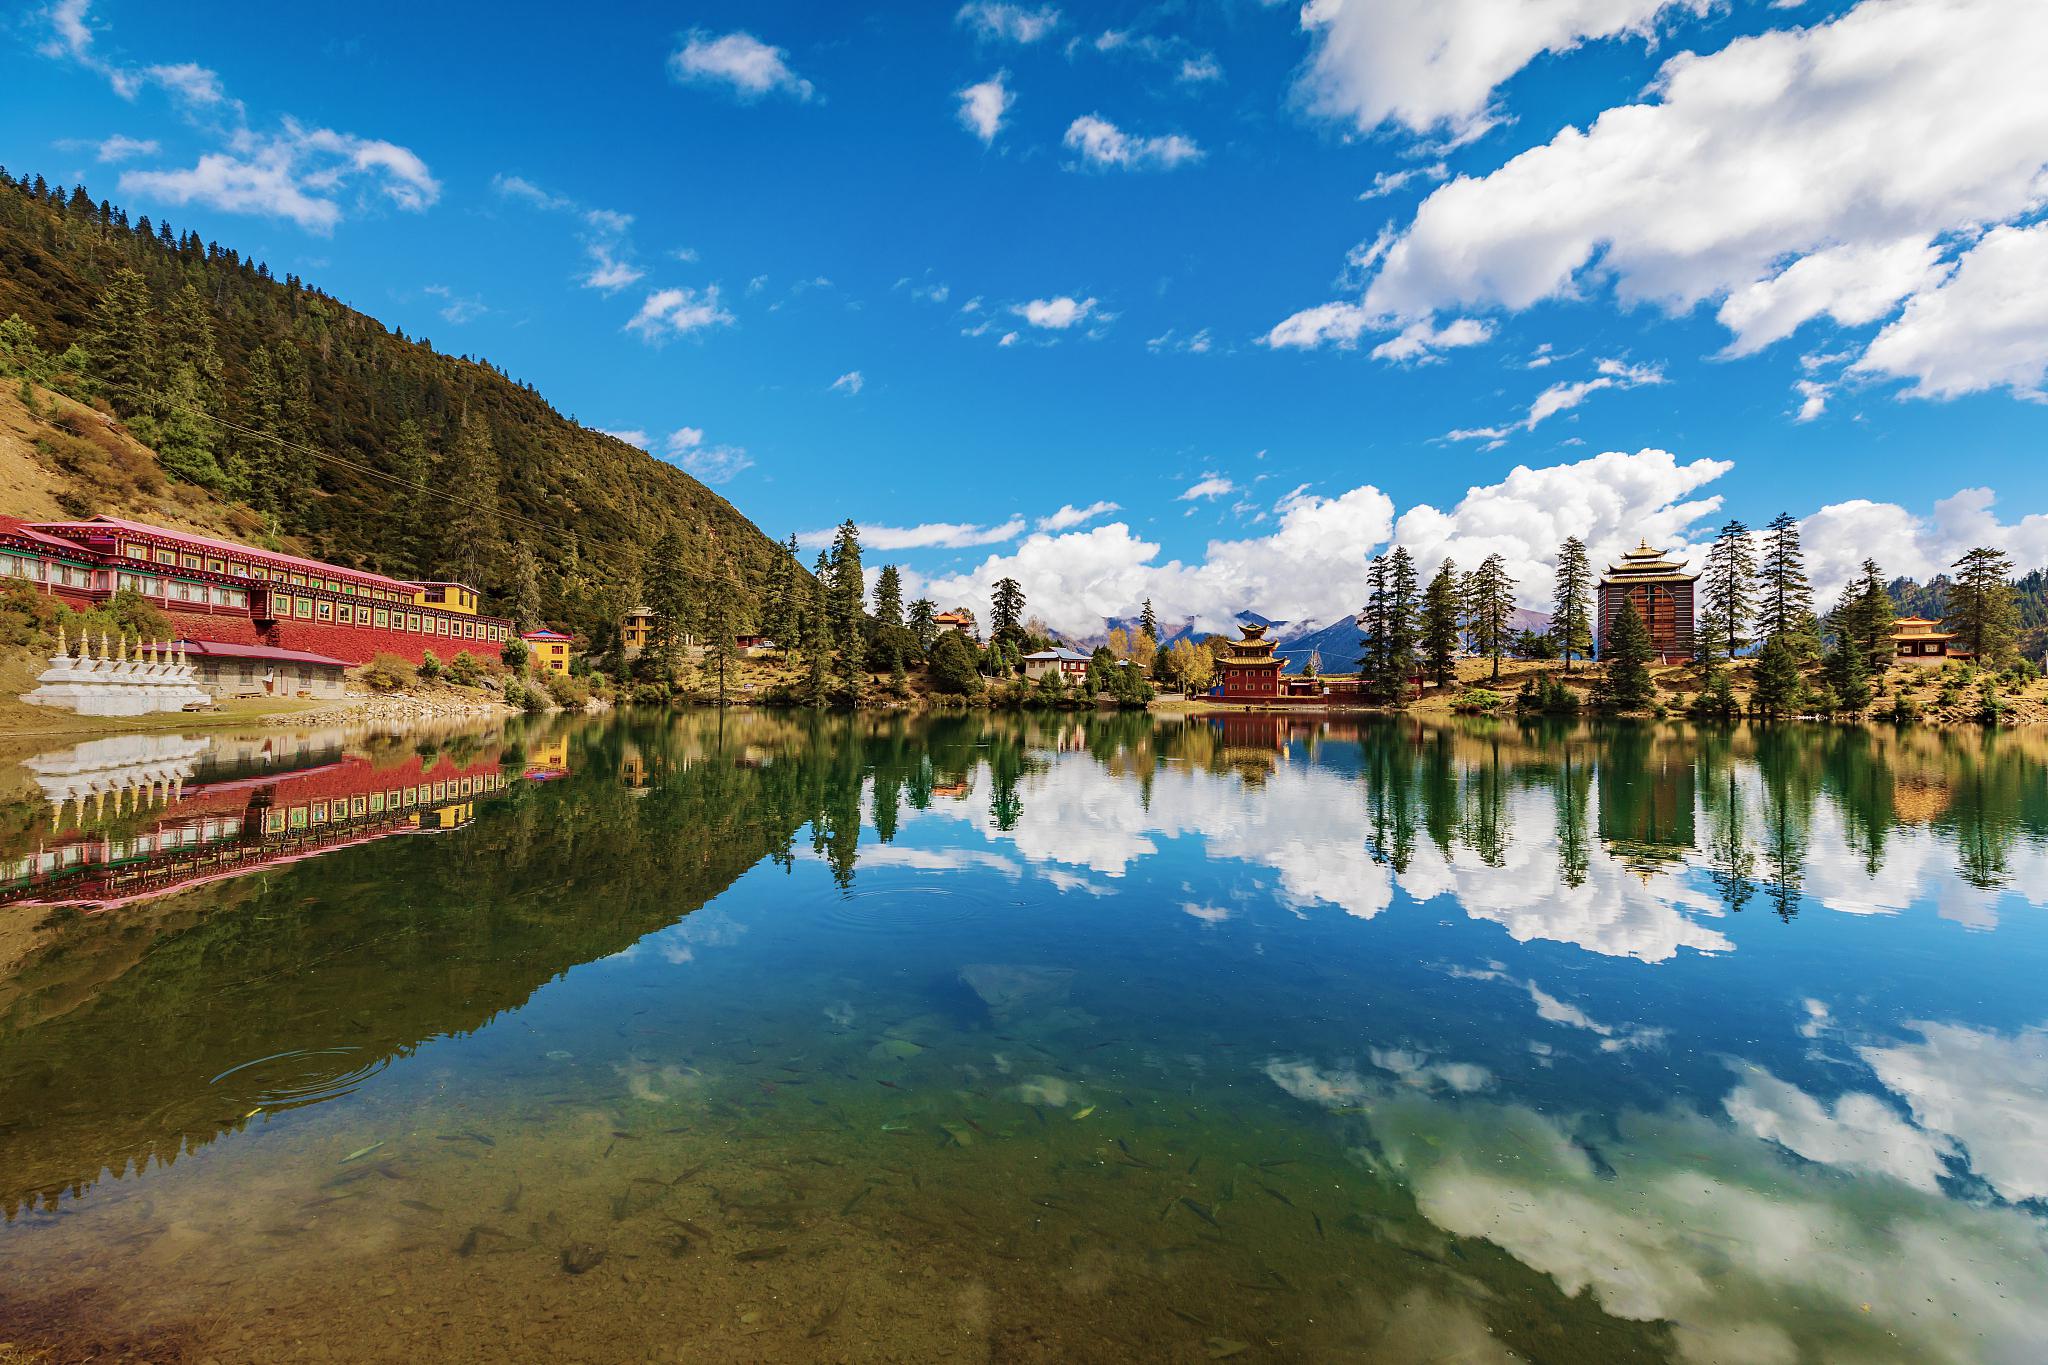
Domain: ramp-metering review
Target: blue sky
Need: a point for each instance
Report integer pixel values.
(1279, 283)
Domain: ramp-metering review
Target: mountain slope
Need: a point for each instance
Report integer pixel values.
(586, 505)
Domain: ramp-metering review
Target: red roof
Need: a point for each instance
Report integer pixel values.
(15, 526)
(217, 649)
(225, 547)
(545, 635)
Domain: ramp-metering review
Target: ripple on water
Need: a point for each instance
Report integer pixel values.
(303, 1076)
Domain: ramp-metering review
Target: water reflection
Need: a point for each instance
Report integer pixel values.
(1094, 1037)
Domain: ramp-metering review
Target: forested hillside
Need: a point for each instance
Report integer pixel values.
(369, 447)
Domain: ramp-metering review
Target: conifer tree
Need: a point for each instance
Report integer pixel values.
(1490, 609)
(471, 537)
(1982, 607)
(818, 633)
(526, 607)
(848, 593)
(122, 342)
(889, 597)
(1372, 626)
(1627, 653)
(1572, 625)
(412, 530)
(787, 593)
(1440, 634)
(1731, 570)
(295, 427)
(1148, 621)
(254, 460)
(1006, 618)
(722, 625)
(668, 596)
(1865, 618)
(1775, 685)
(1847, 674)
(188, 343)
(922, 624)
(181, 435)
(1784, 596)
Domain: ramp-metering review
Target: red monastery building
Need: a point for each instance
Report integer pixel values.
(219, 591)
(1250, 672)
(1663, 593)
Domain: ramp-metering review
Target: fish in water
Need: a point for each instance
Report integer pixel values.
(854, 1202)
(1080, 1114)
(1275, 1193)
(768, 1253)
(360, 1153)
(579, 1257)
(1200, 1212)
(420, 1204)
(1222, 1348)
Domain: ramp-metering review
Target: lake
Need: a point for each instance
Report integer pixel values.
(775, 1037)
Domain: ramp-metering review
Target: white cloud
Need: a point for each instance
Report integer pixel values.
(121, 148)
(1988, 1091)
(604, 236)
(1104, 146)
(1984, 326)
(457, 308)
(677, 312)
(1070, 516)
(1338, 323)
(1199, 70)
(1564, 396)
(930, 535)
(1813, 399)
(1385, 183)
(1313, 565)
(1839, 536)
(712, 463)
(741, 61)
(1825, 171)
(632, 436)
(1055, 314)
(1196, 343)
(1209, 487)
(295, 173)
(850, 383)
(1431, 65)
(1422, 340)
(607, 272)
(1008, 23)
(1859, 1133)
(983, 106)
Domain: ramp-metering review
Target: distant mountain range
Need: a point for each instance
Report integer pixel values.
(1338, 642)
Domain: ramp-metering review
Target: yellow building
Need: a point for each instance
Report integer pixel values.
(549, 648)
(637, 629)
(448, 596)
(1918, 639)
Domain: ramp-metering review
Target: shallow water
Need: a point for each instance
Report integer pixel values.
(770, 1037)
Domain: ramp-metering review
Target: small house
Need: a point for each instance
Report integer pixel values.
(1071, 666)
(549, 648)
(1918, 639)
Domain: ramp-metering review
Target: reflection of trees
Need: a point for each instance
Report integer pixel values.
(1788, 770)
(1386, 772)
(1731, 860)
(1857, 773)
(1996, 796)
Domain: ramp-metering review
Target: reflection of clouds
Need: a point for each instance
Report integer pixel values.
(1553, 1010)
(938, 859)
(1416, 1070)
(1919, 867)
(1750, 1258)
(1860, 1133)
(709, 927)
(1986, 1090)
(1066, 882)
(1208, 914)
(1332, 1088)
(1308, 824)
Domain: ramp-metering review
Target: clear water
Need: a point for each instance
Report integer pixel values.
(771, 1037)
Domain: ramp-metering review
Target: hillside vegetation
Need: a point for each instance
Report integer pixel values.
(309, 422)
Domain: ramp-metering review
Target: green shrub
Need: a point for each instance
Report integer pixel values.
(430, 667)
(515, 654)
(568, 690)
(1478, 701)
(389, 673)
(464, 670)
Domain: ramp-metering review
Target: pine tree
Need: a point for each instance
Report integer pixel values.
(1572, 626)
(295, 428)
(889, 596)
(1441, 613)
(182, 436)
(722, 625)
(1731, 569)
(188, 343)
(848, 593)
(668, 596)
(1491, 609)
(1865, 619)
(1784, 596)
(1372, 626)
(1775, 685)
(254, 459)
(471, 539)
(122, 342)
(412, 529)
(1148, 621)
(922, 625)
(1847, 674)
(1982, 608)
(818, 634)
(787, 591)
(526, 607)
(1627, 652)
(1006, 602)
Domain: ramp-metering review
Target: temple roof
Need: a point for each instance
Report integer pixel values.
(1646, 565)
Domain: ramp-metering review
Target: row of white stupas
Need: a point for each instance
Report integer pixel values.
(157, 677)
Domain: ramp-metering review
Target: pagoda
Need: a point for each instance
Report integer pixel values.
(1663, 593)
(1250, 672)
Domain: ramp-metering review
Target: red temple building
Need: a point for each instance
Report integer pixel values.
(1663, 594)
(219, 591)
(1250, 672)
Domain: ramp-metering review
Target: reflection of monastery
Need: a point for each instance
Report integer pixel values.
(1663, 593)
(1646, 806)
(126, 826)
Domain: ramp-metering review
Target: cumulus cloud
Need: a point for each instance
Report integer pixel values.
(1433, 65)
(296, 173)
(743, 63)
(984, 105)
(632, 436)
(1070, 516)
(1826, 172)
(1102, 145)
(992, 22)
(849, 383)
(1839, 536)
(685, 446)
(677, 312)
(1312, 565)
(1986, 1090)
(1208, 488)
(1056, 314)
(1338, 324)
(930, 535)
(1860, 1132)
